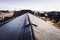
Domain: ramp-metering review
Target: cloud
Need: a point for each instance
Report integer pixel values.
(41, 5)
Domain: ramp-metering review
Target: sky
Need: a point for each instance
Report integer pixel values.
(39, 5)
